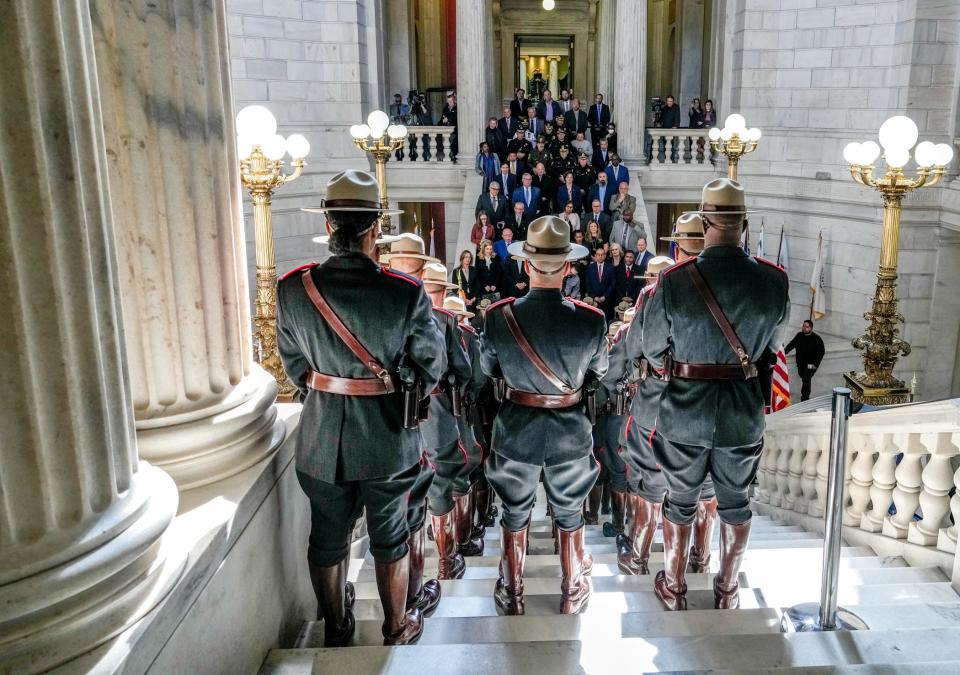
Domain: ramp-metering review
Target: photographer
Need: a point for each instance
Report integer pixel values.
(420, 114)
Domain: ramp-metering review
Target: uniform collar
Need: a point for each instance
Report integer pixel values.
(545, 294)
(725, 251)
(349, 261)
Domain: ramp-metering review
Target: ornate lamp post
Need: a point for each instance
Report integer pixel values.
(734, 141)
(261, 150)
(880, 345)
(380, 140)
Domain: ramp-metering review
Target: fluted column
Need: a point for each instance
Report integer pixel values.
(553, 71)
(629, 79)
(472, 72)
(203, 409)
(80, 518)
(606, 35)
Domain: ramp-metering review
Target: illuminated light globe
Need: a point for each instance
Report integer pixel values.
(297, 146)
(275, 147)
(896, 158)
(869, 152)
(378, 122)
(359, 131)
(925, 154)
(851, 153)
(944, 154)
(899, 132)
(244, 146)
(735, 123)
(396, 131)
(714, 134)
(549, 4)
(726, 134)
(256, 123)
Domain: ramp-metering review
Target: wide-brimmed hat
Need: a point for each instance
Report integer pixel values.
(688, 233)
(723, 195)
(456, 305)
(629, 314)
(352, 190)
(657, 265)
(405, 245)
(548, 244)
(435, 274)
(613, 328)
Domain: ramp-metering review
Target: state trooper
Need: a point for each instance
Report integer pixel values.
(711, 330)
(345, 330)
(611, 416)
(542, 426)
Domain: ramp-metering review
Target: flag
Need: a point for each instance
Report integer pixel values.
(759, 250)
(818, 301)
(780, 397)
(433, 246)
(782, 255)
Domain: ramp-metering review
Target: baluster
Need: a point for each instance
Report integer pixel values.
(428, 150)
(861, 478)
(688, 149)
(783, 472)
(906, 492)
(412, 145)
(701, 148)
(808, 475)
(441, 147)
(947, 540)
(936, 481)
(657, 139)
(881, 489)
(766, 474)
(818, 505)
(793, 500)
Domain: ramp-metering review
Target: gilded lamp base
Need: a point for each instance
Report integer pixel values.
(863, 393)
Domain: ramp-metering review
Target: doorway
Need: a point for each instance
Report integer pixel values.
(543, 62)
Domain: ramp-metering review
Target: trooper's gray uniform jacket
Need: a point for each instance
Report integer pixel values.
(440, 430)
(345, 438)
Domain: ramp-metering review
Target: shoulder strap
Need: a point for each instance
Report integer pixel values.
(700, 283)
(530, 352)
(338, 327)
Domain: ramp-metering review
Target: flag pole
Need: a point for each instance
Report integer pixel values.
(813, 291)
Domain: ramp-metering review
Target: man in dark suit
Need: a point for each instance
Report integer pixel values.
(670, 116)
(616, 172)
(547, 186)
(548, 110)
(508, 123)
(519, 104)
(535, 126)
(519, 220)
(598, 117)
(527, 195)
(494, 204)
(516, 281)
(643, 255)
(602, 191)
(600, 282)
(575, 120)
(506, 179)
(601, 156)
(629, 278)
(602, 219)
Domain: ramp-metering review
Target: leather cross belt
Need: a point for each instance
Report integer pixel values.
(552, 401)
(346, 386)
(439, 389)
(713, 371)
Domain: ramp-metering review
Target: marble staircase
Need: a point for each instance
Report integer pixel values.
(913, 613)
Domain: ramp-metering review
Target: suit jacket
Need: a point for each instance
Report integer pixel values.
(518, 107)
(519, 229)
(488, 275)
(390, 314)
(542, 110)
(603, 195)
(633, 235)
(519, 196)
(576, 122)
(595, 119)
(598, 161)
(496, 215)
(600, 286)
(629, 281)
(643, 259)
(548, 190)
(574, 195)
(535, 128)
(616, 209)
(487, 166)
(606, 225)
(754, 295)
(497, 141)
(513, 274)
(534, 435)
(508, 127)
(506, 184)
(616, 175)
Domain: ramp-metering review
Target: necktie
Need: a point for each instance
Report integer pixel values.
(600, 272)
(494, 203)
(526, 192)
(513, 167)
(596, 218)
(598, 113)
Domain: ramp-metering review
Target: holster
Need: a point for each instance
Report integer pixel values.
(411, 404)
(499, 389)
(621, 401)
(765, 375)
(456, 400)
(590, 397)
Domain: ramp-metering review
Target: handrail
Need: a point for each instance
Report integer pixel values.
(678, 146)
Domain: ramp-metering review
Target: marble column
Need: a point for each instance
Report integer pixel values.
(554, 76)
(606, 34)
(472, 73)
(691, 54)
(629, 80)
(80, 518)
(203, 409)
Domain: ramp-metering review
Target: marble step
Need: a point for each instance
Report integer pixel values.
(595, 532)
(497, 629)
(618, 602)
(694, 652)
(927, 668)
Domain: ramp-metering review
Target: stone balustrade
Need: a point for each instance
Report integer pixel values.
(902, 475)
(679, 146)
(426, 144)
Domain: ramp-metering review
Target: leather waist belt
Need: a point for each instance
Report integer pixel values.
(438, 390)
(531, 400)
(345, 386)
(711, 371)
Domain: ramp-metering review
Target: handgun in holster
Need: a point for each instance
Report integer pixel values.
(456, 397)
(590, 398)
(499, 389)
(765, 367)
(621, 402)
(410, 388)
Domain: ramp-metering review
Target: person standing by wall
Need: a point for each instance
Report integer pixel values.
(810, 352)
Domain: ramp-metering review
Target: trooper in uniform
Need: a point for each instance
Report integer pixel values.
(612, 414)
(447, 498)
(547, 377)
(646, 484)
(711, 329)
(346, 330)
(406, 254)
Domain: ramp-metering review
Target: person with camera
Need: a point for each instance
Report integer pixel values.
(399, 110)
(352, 337)
(420, 113)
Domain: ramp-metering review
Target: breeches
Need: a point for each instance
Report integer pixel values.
(610, 453)
(417, 504)
(567, 486)
(335, 507)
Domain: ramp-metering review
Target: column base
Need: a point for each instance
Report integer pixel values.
(862, 393)
(211, 444)
(62, 612)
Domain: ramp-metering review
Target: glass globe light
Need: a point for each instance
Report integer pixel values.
(297, 146)
(378, 121)
(244, 146)
(726, 134)
(753, 134)
(925, 154)
(851, 153)
(359, 131)
(256, 123)
(896, 158)
(735, 122)
(549, 4)
(898, 132)
(714, 134)
(396, 131)
(275, 147)
(869, 152)
(944, 154)
(401, 130)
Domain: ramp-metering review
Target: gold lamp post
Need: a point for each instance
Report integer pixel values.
(261, 150)
(735, 140)
(380, 139)
(881, 347)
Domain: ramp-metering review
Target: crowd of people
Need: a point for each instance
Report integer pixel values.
(410, 409)
(667, 114)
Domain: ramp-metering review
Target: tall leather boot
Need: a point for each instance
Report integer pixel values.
(733, 544)
(421, 595)
(463, 515)
(451, 564)
(485, 507)
(669, 584)
(555, 533)
(478, 530)
(618, 502)
(400, 625)
(509, 590)
(702, 534)
(591, 512)
(329, 584)
(635, 558)
(576, 567)
(605, 499)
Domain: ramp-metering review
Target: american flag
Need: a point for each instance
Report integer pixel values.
(780, 397)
